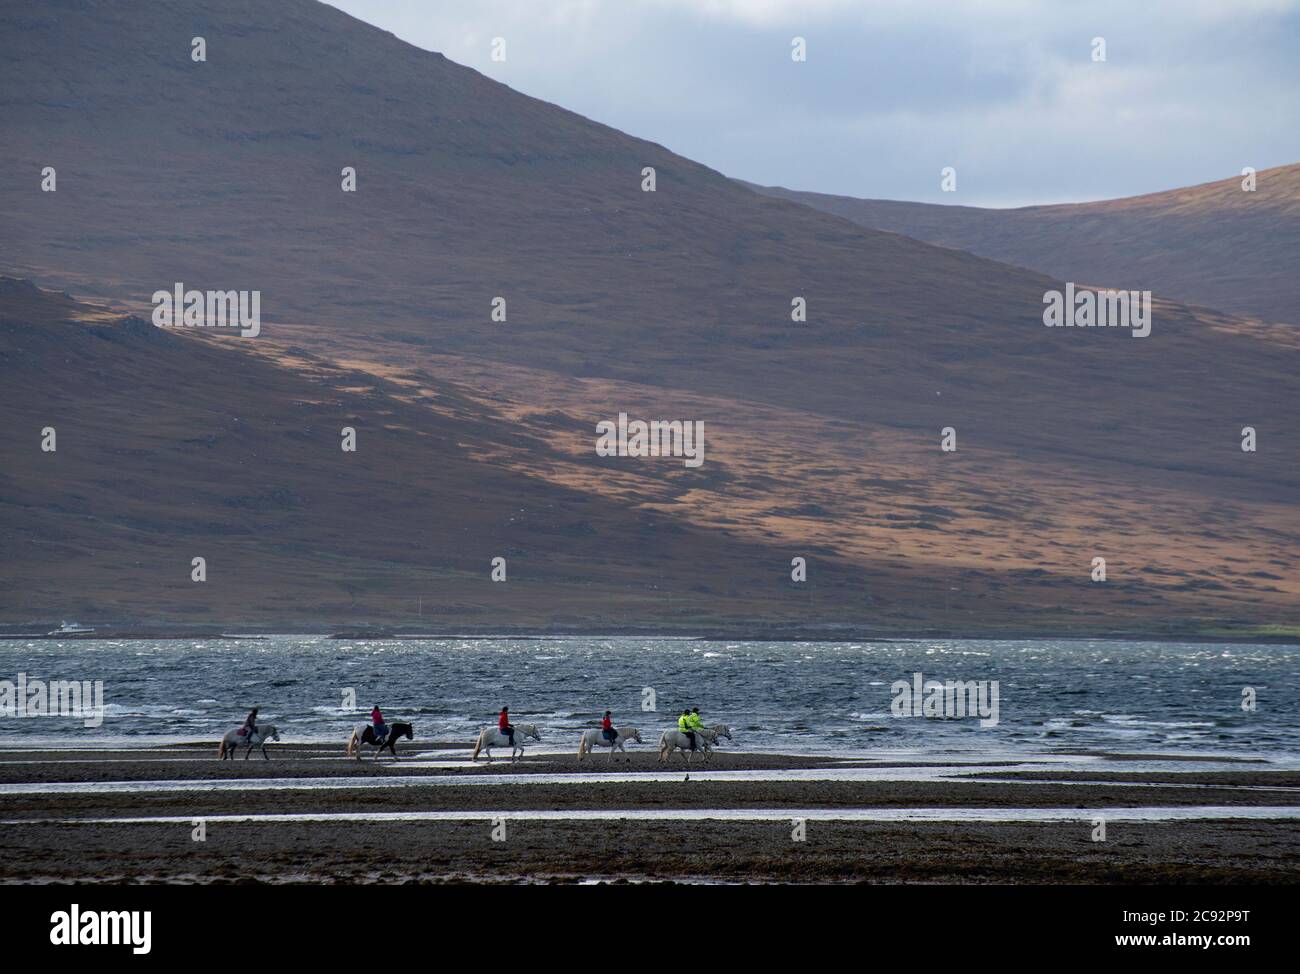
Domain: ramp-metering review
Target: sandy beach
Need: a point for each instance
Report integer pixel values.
(311, 815)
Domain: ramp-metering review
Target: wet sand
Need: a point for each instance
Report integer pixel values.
(48, 835)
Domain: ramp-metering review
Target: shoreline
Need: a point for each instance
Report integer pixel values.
(105, 633)
(311, 815)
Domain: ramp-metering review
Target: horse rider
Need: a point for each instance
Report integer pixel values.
(250, 725)
(694, 719)
(684, 725)
(504, 725)
(607, 727)
(377, 721)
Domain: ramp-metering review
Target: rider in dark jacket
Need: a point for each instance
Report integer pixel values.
(250, 724)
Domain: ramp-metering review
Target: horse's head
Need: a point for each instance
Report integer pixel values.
(530, 730)
(410, 732)
(269, 733)
(634, 735)
(723, 731)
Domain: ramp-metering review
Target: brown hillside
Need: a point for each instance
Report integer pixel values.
(1212, 245)
(823, 437)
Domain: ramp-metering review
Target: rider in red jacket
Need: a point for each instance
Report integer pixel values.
(607, 726)
(503, 723)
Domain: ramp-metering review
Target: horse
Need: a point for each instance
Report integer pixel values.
(232, 740)
(365, 734)
(671, 740)
(597, 738)
(719, 730)
(491, 737)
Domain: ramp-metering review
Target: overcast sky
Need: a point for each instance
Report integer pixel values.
(1005, 91)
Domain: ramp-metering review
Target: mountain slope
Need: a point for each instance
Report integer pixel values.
(225, 174)
(823, 436)
(1214, 245)
(170, 448)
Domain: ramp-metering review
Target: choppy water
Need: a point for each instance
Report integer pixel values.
(827, 697)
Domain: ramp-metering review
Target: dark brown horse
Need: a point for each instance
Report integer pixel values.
(365, 734)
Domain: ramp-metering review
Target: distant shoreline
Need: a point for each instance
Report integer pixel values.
(705, 635)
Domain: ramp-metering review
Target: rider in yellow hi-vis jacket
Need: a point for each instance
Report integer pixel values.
(684, 725)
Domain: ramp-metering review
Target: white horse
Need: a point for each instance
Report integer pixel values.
(596, 738)
(491, 737)
(719, 730)
(673, 740)
(232, 740)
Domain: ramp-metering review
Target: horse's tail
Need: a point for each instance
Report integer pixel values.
(351, 740)
(221, 748)
(663, 745)
(477, 746)
(582, 746)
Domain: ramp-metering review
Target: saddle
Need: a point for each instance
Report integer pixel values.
(377, 738)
